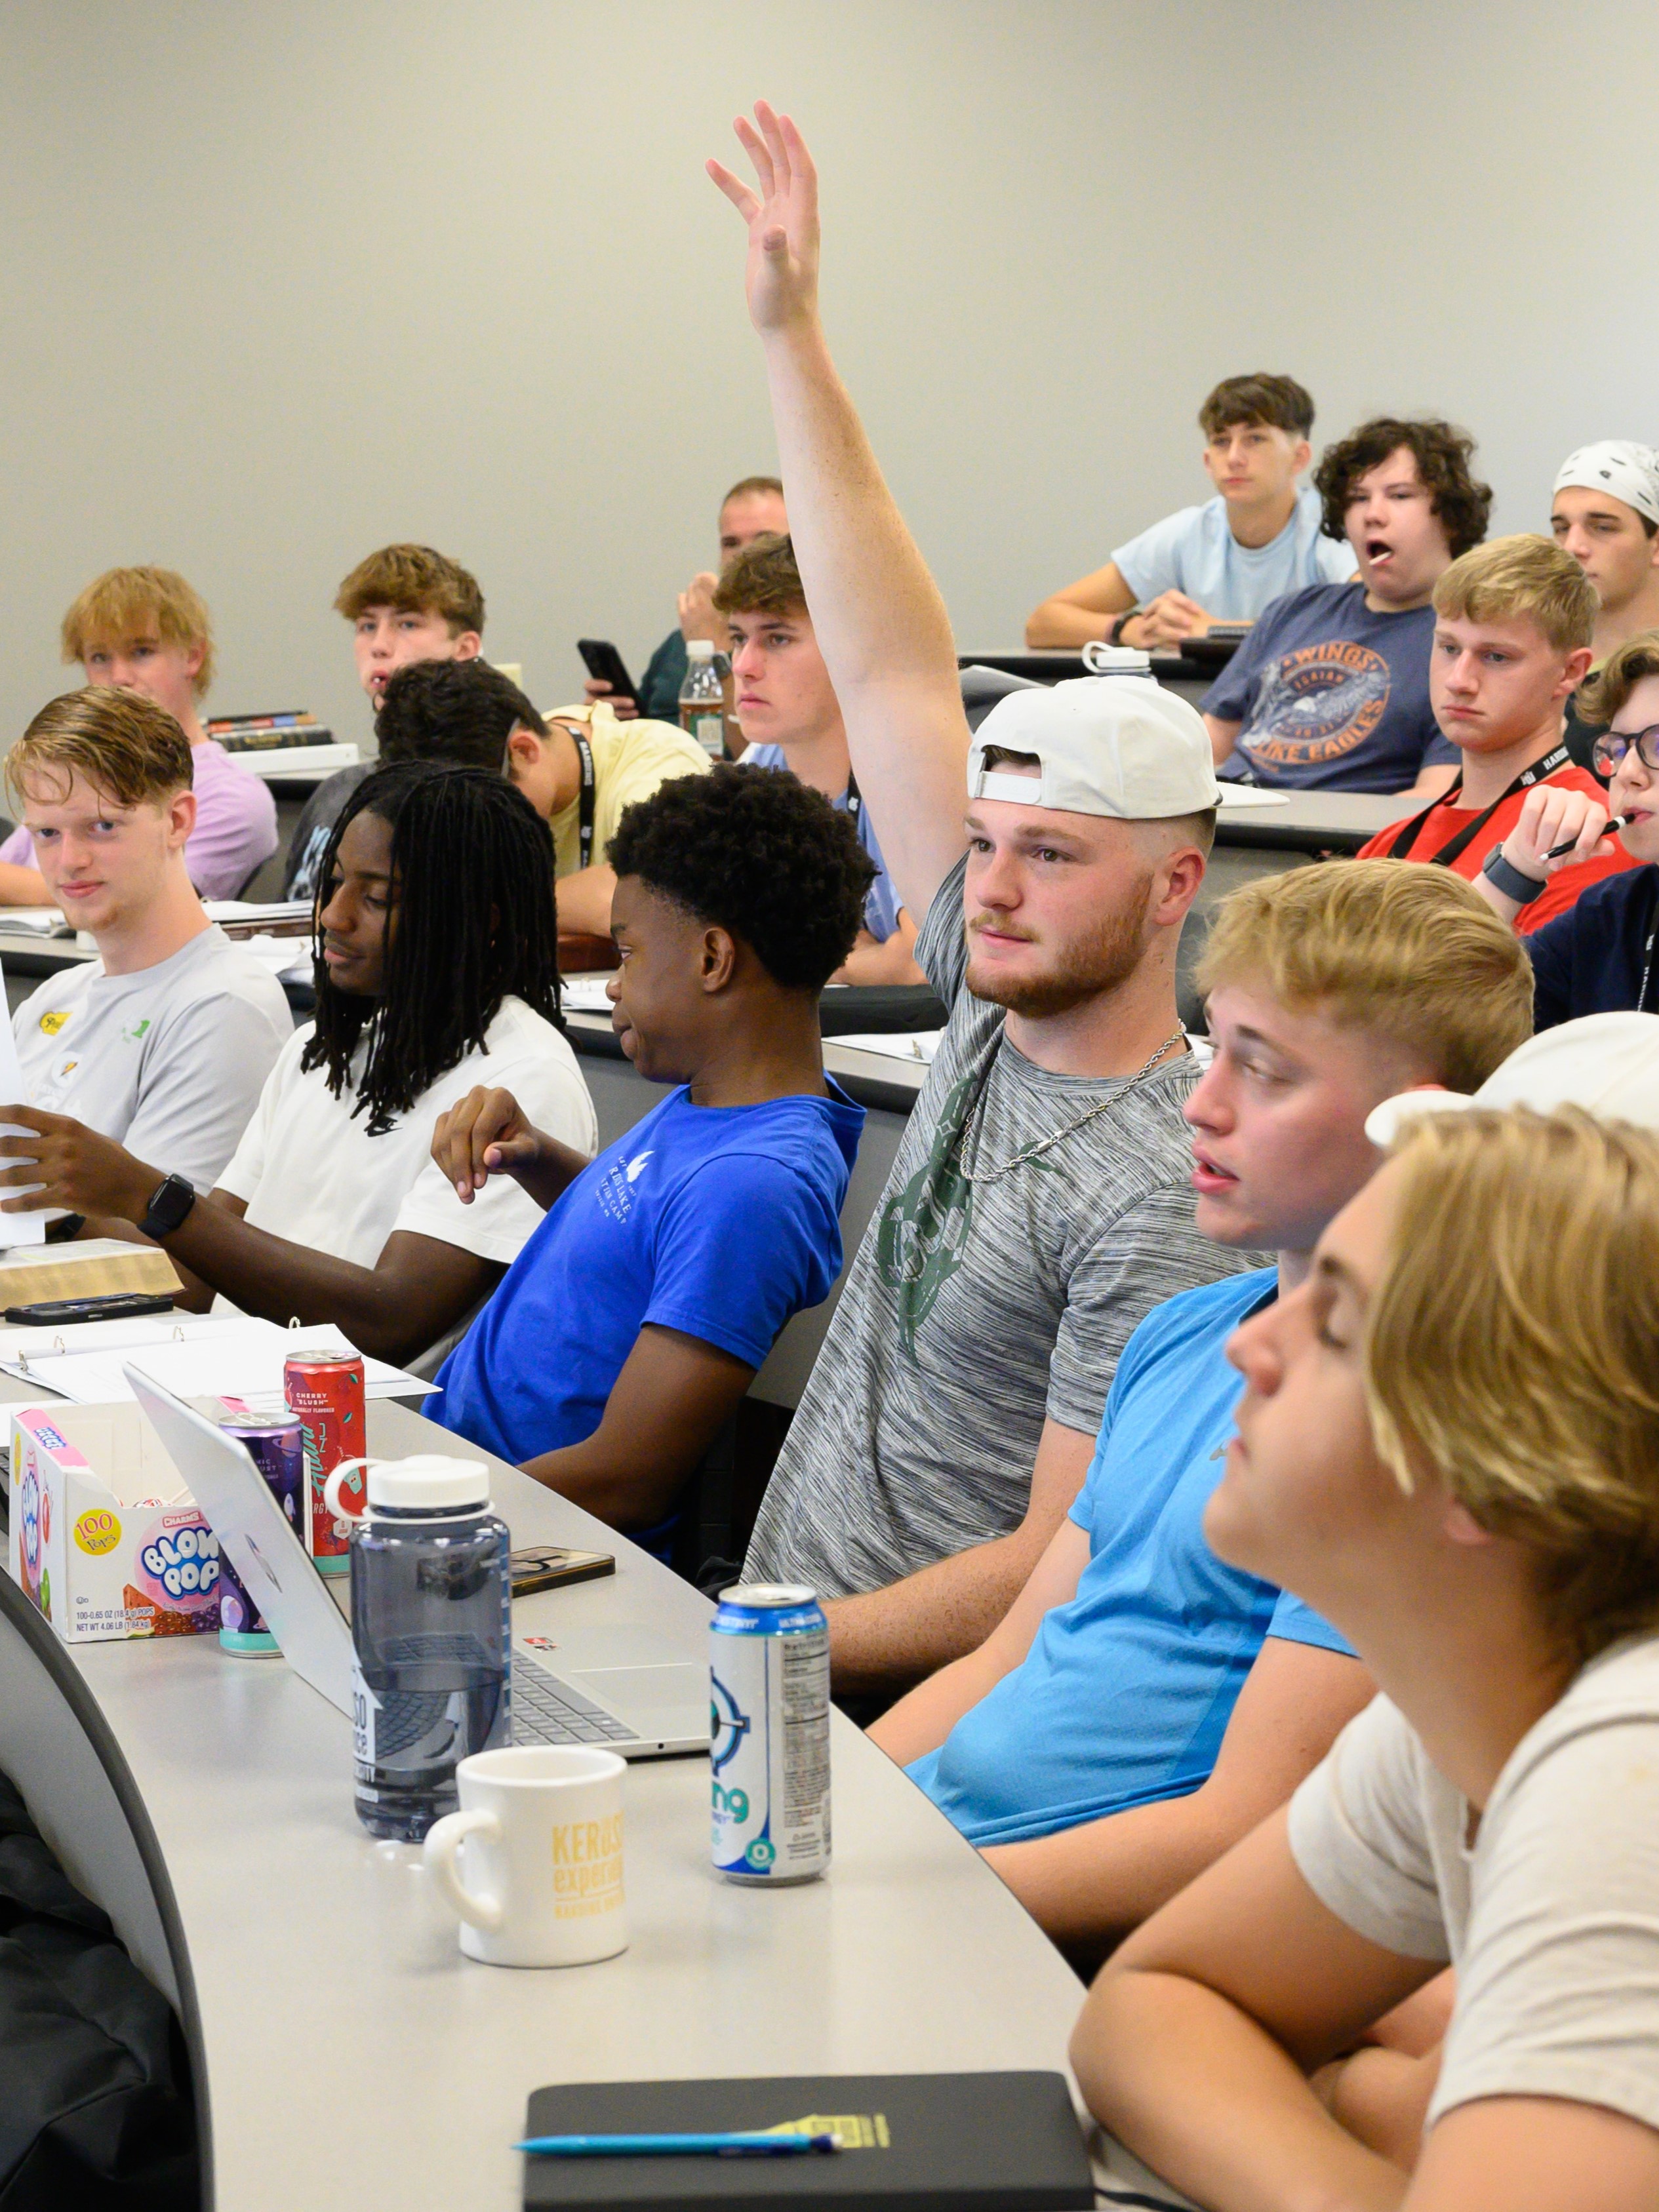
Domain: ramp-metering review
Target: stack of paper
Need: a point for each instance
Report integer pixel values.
(583, 994)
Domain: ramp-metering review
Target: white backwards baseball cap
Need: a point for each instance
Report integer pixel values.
(1608, 1064)
(1120, 745)
(1618, 465)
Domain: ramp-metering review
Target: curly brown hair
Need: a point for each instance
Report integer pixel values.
(415, 581)
(1443, 453)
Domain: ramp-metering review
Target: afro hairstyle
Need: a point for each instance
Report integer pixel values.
(759, 855)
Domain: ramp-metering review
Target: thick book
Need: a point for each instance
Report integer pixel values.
(284, 737)
(915, 2142)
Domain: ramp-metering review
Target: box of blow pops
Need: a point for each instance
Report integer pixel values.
(105, 1540)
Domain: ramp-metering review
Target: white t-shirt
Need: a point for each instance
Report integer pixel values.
(310, 1172)
(1551, 1918)
(169, 1061)
(1195, 551)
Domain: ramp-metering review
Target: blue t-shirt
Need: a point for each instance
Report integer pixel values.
(1591, 959)
(1127, 1691)
(1331, 695)
(1195, 551)
(719, 1221)
(881, 906)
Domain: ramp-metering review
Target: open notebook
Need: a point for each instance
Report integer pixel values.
(193, 1355)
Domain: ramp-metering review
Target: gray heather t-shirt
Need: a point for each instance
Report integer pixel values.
(975, 1309)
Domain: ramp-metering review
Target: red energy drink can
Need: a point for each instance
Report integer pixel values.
(325, 1389)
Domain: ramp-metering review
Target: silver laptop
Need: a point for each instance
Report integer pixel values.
(622, 1685)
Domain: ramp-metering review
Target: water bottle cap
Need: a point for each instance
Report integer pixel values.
(700, 649)
(428, 1481)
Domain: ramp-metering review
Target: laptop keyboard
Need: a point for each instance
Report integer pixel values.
(546, 1711)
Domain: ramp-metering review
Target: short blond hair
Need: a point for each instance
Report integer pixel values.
(125, 606)
(1509, 1349)
(1410, 951)
(1523, 578)
(1605, 694)
(119, 740)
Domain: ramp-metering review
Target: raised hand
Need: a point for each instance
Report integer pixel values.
(782, 279)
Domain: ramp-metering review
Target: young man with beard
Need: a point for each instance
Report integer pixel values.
(1143, 1705)
(1038, 1205)
(1331, 689)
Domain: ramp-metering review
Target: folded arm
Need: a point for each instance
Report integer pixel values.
(877, 616)
(890, 1638)
(1199, 2036)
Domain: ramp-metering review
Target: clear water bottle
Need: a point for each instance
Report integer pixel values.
(431, 1628)
(702, 698)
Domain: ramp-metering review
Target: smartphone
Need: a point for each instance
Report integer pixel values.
(602, 660)
(120, 1305)
(544, 1567)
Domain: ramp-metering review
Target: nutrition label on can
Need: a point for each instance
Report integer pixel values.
(804, 1666)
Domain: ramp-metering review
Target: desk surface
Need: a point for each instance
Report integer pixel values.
(353, 2057)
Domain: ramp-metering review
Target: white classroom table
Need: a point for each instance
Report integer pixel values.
(346, 2053)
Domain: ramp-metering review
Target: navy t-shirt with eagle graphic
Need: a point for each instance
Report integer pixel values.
(1331, 695)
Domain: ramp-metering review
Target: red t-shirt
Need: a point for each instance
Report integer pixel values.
(1443, 822)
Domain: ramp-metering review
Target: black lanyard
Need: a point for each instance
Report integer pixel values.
(1401, 848)
(585, 812)
(854, 804)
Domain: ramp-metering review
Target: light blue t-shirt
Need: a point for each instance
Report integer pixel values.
(881, 906)
(718, 1221)
(1127, 1691)
(1195, 552)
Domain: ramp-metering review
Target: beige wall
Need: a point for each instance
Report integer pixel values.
(279, 283)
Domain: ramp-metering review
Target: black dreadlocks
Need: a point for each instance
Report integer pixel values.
(471, 923)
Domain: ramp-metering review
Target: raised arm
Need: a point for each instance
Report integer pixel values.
(876, 611)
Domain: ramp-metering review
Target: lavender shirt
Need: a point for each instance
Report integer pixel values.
(235, 825)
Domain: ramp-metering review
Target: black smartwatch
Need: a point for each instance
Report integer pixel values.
(1524, 890)
(169, 1204)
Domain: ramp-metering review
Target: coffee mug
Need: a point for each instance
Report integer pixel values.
(540, 1829)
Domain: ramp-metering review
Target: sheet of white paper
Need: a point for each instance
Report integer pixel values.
(29, 1227)
(245, 1360)
(34, 920)
(1252, 794)
(583, 994)
(111, 1335)
(915, 1046)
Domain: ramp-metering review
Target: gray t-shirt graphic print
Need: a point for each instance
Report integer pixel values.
(975, 1309)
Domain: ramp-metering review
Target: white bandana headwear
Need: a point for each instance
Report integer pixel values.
(1629, 471)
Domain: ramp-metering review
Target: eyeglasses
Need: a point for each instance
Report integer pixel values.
(1610, 748)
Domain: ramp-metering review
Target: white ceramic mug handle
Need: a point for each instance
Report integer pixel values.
(331, 1488)
(443, 1840)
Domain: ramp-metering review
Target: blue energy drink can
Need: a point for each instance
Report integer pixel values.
(769, 1730)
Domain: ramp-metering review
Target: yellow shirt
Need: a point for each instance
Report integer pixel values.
(631, 759)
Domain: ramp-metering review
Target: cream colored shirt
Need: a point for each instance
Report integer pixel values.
(631, 759)
(1551, 1915)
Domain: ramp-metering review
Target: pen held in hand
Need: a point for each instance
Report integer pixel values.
(1613, 822)
(739, 2145)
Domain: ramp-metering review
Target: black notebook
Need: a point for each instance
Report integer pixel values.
(918, 2142)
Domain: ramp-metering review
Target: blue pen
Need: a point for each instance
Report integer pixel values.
(678, 2146)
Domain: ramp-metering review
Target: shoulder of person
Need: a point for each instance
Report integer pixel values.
(1619, 1689)
(1201, 1317)
(1184, 522)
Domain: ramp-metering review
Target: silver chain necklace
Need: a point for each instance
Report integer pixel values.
(1047, 1144)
